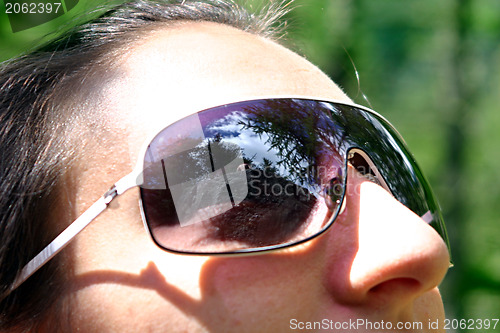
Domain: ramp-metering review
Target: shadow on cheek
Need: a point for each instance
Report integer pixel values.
(150, 278)
(227, 284)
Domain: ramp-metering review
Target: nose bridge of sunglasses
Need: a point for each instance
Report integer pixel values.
(364, 165)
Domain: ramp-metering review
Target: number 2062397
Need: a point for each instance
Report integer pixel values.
(33, 8)
(470, 324)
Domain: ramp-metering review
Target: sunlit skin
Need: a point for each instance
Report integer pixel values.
(378, 261)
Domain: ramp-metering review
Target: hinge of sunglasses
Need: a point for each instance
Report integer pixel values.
(120, 187)
(110, 195)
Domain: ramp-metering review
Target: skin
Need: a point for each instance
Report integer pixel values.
(379, 261)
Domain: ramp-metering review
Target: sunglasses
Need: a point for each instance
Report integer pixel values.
(259, 175)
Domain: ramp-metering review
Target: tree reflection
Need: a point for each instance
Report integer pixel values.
(279, 146)
(298, 131)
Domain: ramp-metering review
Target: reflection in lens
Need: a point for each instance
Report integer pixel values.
(259, 175)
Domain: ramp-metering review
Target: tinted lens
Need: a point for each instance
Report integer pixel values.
(244, 176)
(256, 175)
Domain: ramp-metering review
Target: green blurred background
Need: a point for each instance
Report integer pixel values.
(432, 67)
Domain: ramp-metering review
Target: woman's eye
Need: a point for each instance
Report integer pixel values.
(333, 191)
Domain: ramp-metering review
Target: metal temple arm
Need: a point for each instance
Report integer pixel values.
(73, 230)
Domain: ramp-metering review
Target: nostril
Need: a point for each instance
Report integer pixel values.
(396, 286)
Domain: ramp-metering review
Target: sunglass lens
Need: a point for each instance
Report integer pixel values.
(257, 175)
(242, 177)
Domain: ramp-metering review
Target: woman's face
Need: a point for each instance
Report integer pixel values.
(378, 262)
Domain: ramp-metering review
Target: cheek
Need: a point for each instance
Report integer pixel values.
(123, 282)
(267, 289)
(429, 306)
(221, 294)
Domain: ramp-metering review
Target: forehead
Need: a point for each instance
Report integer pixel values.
(178, 70)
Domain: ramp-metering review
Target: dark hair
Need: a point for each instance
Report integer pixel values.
(38, 112)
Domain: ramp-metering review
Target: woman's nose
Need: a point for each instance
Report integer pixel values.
(397, 256)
